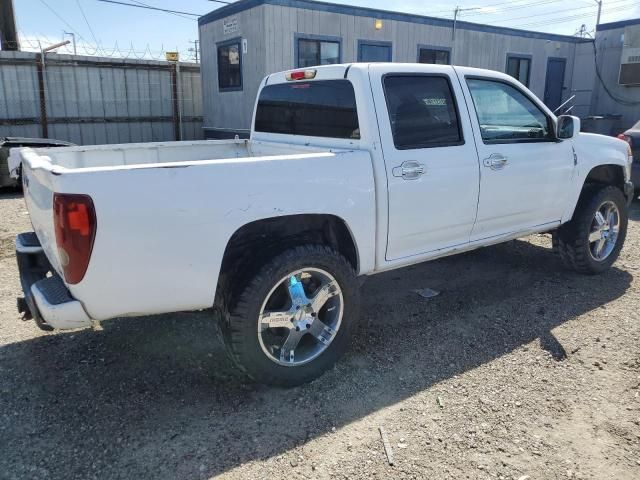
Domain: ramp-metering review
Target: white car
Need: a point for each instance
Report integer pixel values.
(351, 170)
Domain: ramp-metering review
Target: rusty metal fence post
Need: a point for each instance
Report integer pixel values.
(41, 93)
(177, 127)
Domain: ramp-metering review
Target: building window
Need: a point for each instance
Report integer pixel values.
(519, 67)
(317, 51)
(230, 65)
(438, 56)
(374, 51)
(422, 111)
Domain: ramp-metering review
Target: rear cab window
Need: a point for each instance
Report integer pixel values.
(422, 111)
(319, 108)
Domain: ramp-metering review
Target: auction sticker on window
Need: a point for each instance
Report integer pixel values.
(434, 101)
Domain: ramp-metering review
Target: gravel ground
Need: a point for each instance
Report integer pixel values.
(518, 370)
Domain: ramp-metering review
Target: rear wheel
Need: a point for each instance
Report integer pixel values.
(292, 321)
(592, 241)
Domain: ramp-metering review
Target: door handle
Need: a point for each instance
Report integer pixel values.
(409, 170)
(496, 161)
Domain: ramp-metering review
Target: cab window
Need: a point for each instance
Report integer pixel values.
(506, 115)
(324, 108)
(422, 111)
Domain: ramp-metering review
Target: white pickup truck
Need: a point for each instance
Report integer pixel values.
(351, 170)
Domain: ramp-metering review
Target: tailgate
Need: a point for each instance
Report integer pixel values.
(39, 181)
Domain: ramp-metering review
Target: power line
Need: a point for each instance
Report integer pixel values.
(511, 7)
(554, 12)
(171, 13)
(88, 24)
(555, 21)
(496, 5)
(62, 20)
(567, 18)
(148, 7)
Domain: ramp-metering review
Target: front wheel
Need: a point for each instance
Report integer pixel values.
(591, 242)
(292, 321)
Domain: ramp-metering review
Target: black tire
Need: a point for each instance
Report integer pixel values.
(239, 326)
(571, 241)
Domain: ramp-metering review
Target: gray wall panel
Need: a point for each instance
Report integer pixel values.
(233, 109)
(609, 45)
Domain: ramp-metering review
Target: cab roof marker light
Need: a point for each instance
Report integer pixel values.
(300, 75)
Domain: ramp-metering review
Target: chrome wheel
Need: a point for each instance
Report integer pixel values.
(300, 317)
(604, 232)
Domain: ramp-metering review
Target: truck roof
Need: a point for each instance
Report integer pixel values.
(340, 70)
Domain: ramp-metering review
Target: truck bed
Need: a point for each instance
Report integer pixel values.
(140, 154)
(165, 211)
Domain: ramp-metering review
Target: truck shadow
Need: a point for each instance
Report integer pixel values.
(156, 397)
(10, 193)
(634, 210)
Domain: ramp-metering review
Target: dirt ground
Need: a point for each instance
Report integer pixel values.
(518, 370)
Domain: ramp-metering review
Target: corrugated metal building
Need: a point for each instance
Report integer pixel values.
(243, 42)
(616, 90)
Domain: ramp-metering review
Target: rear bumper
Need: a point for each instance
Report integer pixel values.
(46, 298)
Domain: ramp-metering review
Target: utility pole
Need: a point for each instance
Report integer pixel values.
(456, 13)
(195, 49)
(8, 30)
(453, 33)
(73, 38)
(599, 2)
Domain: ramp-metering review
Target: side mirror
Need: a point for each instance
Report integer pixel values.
(568, 127)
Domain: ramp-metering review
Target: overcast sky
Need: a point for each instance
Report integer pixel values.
(95, 22)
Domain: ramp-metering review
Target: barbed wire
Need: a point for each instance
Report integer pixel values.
(27, 43)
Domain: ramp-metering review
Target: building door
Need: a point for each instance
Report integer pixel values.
(554, 85)
(374, 51)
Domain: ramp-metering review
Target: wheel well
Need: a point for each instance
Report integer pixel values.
(255, 243)
(606, 175)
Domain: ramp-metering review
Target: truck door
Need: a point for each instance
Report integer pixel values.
(526, 173)
(430, 158)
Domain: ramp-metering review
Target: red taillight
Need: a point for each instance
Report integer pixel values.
(300, 75)
(297, 75)
(74, 220)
